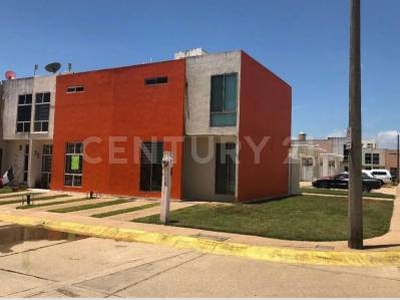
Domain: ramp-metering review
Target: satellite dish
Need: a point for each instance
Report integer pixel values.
(10, 75)
(53, 67)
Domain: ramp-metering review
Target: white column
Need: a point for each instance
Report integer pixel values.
(167, 163)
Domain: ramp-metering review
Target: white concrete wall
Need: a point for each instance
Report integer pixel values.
(14, 157)
(14, 88)
(199, 168)
(199, 70)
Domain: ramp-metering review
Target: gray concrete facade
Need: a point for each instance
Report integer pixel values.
(199, 70)
(201, 138)
(14, 142)
(32, 85)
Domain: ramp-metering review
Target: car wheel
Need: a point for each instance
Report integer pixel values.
(366, 188)
(324, 185)
(382, 182)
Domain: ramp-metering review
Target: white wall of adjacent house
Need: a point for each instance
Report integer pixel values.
(199, 70)
(15, 142)
(11, 91)
(199, 171)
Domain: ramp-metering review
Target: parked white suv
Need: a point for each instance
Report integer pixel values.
(381, 174)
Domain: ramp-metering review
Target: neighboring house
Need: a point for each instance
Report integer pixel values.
(373, 158)
(316, 157)
(313, 152)
(112, 126)
(27, 128)
(391, 162)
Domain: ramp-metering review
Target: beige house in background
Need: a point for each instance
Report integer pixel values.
(316, 157)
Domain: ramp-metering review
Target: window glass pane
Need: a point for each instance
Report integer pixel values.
(223, 119)
(75, 162)
(20, 127)
(68, 180)
(156, 177)
(27, 127)
(151, 169)
(28, 99)
(24, 113)
(21, 99)
(45, 126)
(77, 180)
(230, 93)
(46, 163)
(38, 126)
(78, 148)
(42, 112)
(217, 85)
(46, 97)
(145, 177)
(70, 148)
(39, 98)
(157, 152)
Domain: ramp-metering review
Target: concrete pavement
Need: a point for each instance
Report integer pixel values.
(380, 251)
(106, 268)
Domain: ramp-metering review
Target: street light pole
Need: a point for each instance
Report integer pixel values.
(398, 157)
(355, 240)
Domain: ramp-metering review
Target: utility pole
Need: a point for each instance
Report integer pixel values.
(398, 157)
(355, 177)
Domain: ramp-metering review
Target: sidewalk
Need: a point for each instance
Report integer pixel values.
(384, 250)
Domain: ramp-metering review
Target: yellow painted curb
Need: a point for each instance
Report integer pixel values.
(274, 254)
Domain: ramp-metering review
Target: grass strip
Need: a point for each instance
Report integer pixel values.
(123, 211)
(34, 198)
(300, 218)
(344, 193)
(50, 203)
(14, 194)
(89, 206)
(5, 190)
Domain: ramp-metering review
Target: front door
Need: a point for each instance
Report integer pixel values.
(225, 169)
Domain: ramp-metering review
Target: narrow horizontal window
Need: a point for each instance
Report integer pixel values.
(156, 80)
(75, 89)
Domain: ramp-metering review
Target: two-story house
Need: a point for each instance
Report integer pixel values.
(225, 117)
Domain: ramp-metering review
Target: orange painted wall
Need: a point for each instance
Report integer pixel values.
(117, 103)
(265, 111)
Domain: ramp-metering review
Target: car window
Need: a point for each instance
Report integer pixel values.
(341, 176)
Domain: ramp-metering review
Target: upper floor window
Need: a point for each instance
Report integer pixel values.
(75, 89)
(367, 158)
(156, 80)
(375, 158)
(24, 113)
(223, 100)
(42, 112)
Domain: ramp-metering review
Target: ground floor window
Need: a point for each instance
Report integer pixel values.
(225, 169)
(150, 166)
(46, 165)
(73, 164)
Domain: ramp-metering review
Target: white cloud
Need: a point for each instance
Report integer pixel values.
(338, 133)
(387, 139)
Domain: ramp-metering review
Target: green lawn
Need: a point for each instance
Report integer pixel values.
(5, 190)
(344, 193)
(89, 206)
(303, 218)
(35, 198)
(124, 211)
(50, 203)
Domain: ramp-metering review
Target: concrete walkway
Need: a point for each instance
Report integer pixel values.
(382, 250)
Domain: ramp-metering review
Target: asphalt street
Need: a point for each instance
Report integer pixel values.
(92, 267)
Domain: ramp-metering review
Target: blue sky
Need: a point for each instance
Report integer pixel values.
(303, 41)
